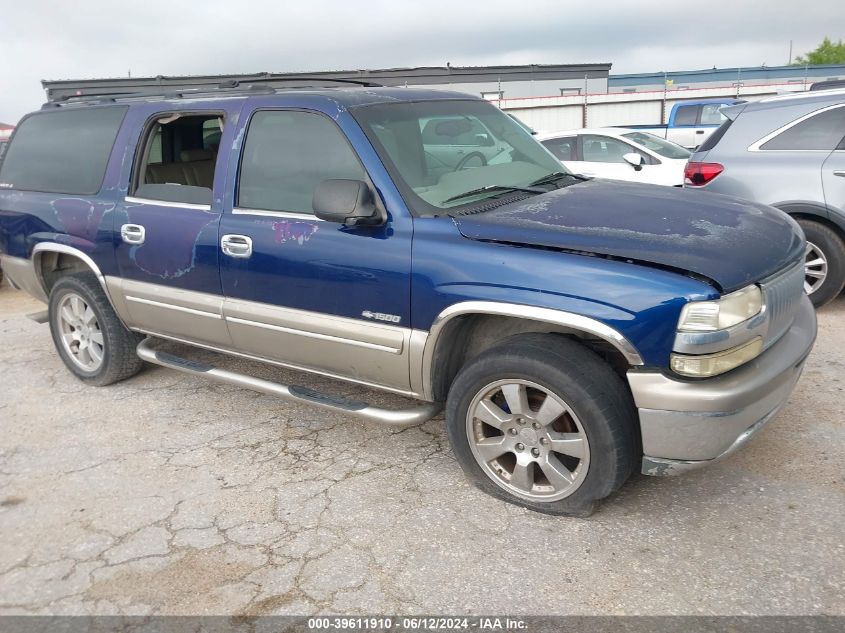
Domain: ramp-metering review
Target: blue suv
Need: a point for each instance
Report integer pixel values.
(420, 242)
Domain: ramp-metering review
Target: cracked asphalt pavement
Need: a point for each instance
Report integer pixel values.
(167, 494)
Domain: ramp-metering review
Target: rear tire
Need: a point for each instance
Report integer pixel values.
(90, 339)
(542, 422)
(825, 263)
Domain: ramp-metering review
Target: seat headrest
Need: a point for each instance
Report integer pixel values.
(191, 155)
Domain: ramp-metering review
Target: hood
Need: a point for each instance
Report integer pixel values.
(729, 241)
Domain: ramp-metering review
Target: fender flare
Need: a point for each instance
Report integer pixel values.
(64, 249)
(561, 318)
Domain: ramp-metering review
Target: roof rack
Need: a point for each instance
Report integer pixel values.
(229, 87)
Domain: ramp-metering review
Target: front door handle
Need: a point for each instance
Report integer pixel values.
(132, 233)
(699, 131)
(236, 245)
(839, 172)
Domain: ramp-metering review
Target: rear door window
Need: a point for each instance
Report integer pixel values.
(822, 131)
(178, 158)
(562, 148)
(62, 151)
(603, 149)
(686, 115)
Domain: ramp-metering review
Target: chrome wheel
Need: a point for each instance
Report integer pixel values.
(80, 332)
(527, 440)
(815, 268)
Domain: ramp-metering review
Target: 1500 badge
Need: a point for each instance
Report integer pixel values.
(380, 316)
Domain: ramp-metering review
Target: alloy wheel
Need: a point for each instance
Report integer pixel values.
(528, 440)
(815, 268)
(80, 332)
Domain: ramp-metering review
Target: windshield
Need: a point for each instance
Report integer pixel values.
(438, 150)
(657, 144)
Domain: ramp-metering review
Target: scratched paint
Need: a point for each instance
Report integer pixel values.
(293, 231)
(163, 253)
(79, 216)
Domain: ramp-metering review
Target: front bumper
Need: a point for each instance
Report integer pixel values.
(689, 424)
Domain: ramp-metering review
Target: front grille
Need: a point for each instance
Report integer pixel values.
(782, 294)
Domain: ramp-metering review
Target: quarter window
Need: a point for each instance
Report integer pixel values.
(823, 131)
(286, 155)
(62, 151)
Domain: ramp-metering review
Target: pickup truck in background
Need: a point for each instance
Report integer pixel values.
(690, 122)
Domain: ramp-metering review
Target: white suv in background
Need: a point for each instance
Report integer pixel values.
(787, 151)
(619, 154)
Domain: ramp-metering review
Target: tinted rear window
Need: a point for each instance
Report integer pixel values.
(822, 131)
(64, 151)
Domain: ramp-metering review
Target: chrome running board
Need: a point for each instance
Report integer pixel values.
(293, 393)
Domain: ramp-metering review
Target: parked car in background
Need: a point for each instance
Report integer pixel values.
(576, 330)
(690, 122)
(789, 152)
(619, 154)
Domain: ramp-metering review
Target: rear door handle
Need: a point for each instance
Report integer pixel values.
(132, 233)
(699, 131)
(236, 245)
(839, 172)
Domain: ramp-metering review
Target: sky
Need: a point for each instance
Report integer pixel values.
(73, 39)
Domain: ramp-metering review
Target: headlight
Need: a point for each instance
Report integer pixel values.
(709, 316)
(706, 365)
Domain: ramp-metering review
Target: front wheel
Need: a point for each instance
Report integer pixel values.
(91, 340)
(543, 422)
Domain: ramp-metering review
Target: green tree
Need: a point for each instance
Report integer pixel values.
(828, 52)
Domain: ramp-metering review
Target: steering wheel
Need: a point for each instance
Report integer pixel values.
(463, 162)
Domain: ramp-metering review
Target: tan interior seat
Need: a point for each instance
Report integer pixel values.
(196, 168)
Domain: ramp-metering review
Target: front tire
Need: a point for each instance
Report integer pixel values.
(90, 339)
(542, 422)
(824, 263)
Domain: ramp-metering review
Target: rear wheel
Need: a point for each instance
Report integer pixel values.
(91, 340)
(824, 263)
(543, 422)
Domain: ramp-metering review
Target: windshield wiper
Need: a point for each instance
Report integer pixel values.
(553, 177)
(486, 188)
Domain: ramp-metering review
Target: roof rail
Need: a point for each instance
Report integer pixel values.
(269, 80)
(806, 94)
(229, 87)
(114, 97)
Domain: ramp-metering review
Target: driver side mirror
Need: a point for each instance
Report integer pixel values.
(348, 202)
(635, 160)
